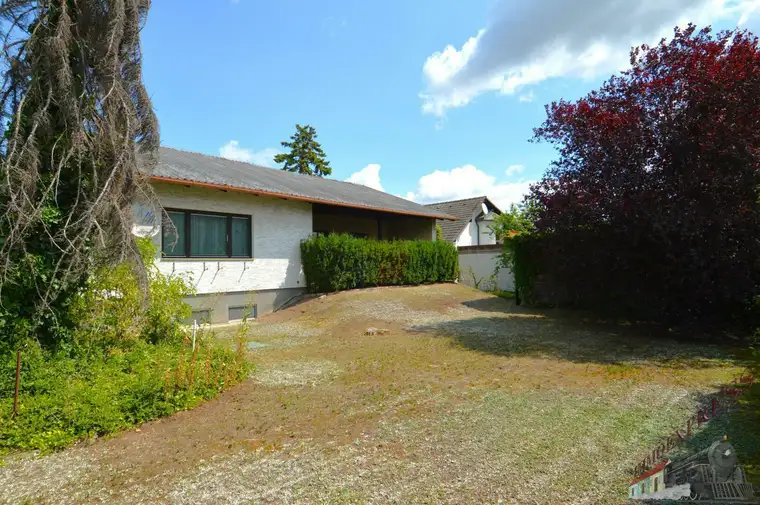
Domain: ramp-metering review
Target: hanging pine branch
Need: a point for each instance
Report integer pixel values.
(78, 120)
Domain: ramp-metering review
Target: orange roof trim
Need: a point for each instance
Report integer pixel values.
(185, 182)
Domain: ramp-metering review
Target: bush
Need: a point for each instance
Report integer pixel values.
(111, 308)
(339, 262)
(127, 360)
(651, 209)
(67, 397)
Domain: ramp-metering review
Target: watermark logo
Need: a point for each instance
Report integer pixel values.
(709, 475)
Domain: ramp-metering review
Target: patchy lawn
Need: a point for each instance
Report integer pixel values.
(465, 399)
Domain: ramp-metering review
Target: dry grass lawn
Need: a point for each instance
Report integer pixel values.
(467, 399)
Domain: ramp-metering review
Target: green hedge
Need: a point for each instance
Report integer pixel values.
(338, 262)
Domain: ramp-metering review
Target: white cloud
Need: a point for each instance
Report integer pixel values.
(232, 150)
(527, 97)
(465, 182)
(368, 176)
(529, 41)
(514, 170)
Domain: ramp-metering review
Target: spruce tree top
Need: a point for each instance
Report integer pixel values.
(305, 155)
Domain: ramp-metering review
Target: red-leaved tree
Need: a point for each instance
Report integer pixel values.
(652, 207)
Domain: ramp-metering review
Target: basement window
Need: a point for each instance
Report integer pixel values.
(197, 234)
(240, 313)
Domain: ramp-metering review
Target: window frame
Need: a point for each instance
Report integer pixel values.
(228, 246)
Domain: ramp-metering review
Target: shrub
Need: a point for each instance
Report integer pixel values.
(65, 397)
(111, 308)
(651, 209)
(339, 262)
(127, 360)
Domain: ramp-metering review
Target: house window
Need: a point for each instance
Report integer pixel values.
(206, 235)
(240, 313)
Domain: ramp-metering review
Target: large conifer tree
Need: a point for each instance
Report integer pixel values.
(305, 154)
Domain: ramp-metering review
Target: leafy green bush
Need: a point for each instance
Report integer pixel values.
(339, 262)
(111, 308)
(127, 360)
(520, 257)
(67, 397)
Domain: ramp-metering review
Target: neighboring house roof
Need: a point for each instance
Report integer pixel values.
(463, 210)
(195, 169)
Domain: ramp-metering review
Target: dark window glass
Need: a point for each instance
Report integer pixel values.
(173, 239)
(239, 313)
(241, 237)
(208, 235)
(203, 235)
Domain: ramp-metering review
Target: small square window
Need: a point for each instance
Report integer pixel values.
(240, 313)
(201, 316)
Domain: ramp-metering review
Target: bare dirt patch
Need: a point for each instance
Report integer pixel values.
(465, 399)
(296, 373)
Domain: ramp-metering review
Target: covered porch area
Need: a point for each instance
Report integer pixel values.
(371, 224)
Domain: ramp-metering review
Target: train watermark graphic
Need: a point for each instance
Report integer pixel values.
(709, 475)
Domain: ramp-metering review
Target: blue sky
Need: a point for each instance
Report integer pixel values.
(427, 99)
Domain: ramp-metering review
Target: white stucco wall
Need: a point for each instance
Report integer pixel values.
(278, 226)
(468, 236)
(486, 235)
(482, 264)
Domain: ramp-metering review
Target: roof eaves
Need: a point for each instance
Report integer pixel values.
(287, 196)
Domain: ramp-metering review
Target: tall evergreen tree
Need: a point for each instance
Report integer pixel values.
(78, 123)
(305, 154)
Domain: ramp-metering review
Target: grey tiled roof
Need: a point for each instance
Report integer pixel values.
(180, 166)
(463, 210)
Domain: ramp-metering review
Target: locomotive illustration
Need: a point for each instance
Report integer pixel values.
(712, 475)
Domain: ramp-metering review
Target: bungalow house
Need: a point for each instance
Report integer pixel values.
(474, 217)
(479, 251)
(237, 227)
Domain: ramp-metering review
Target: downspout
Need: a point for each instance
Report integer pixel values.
(477, 229)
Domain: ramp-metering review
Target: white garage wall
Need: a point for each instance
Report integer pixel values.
(477, 265)
(278, 228)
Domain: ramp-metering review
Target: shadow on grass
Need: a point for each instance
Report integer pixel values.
(512, 330)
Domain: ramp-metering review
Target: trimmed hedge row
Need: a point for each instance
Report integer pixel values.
(339, 262)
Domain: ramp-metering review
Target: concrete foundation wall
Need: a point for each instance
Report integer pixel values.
(218, 304)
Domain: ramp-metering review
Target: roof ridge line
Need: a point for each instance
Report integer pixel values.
(219, 157)
(459, 200)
